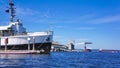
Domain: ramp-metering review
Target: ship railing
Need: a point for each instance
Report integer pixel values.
(30, 33)
(40, 33)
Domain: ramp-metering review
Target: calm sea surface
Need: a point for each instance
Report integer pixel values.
(62, 60)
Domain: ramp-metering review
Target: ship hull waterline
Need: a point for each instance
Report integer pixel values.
(39, 48)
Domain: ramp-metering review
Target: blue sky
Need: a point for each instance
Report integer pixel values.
(96, 21)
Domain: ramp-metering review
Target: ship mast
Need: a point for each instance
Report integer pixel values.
(11, 10)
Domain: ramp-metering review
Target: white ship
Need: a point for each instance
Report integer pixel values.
(14, 36)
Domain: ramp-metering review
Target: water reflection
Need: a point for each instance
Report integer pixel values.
(61, 60)
(10, 60)
(11, 56)
(19, 60)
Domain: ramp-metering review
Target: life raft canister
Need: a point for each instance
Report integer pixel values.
(6, 40)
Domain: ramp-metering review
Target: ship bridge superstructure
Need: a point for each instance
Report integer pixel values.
(14, 28)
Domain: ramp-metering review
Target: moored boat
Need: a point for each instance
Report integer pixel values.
(15, 37)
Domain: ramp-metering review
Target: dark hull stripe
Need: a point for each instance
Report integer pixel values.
(39, 46)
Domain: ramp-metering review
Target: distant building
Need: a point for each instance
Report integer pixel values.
(71, 45)
(58, 47)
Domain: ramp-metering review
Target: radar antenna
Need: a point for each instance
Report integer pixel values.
(11, 10)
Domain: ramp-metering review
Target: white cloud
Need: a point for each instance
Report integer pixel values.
(82, 40)
(59, 26)
(57, 36)
(31, 12)
(76, 19)
(85, 28)
(107, 19)
(35, 16)
(91, 19)
(26, 11)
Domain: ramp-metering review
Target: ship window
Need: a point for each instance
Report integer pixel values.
(48, 39)
(9, 28)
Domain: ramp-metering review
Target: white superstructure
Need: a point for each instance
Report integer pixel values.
(16, 34)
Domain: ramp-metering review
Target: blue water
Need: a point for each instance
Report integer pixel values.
(62, 60)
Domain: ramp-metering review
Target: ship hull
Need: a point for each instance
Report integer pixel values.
(44, 48)
(40, 41)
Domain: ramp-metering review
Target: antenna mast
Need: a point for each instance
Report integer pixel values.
(11, 10)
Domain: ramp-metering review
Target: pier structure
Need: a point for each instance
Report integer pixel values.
(85, 46)
(71, 45)
(57, 47)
